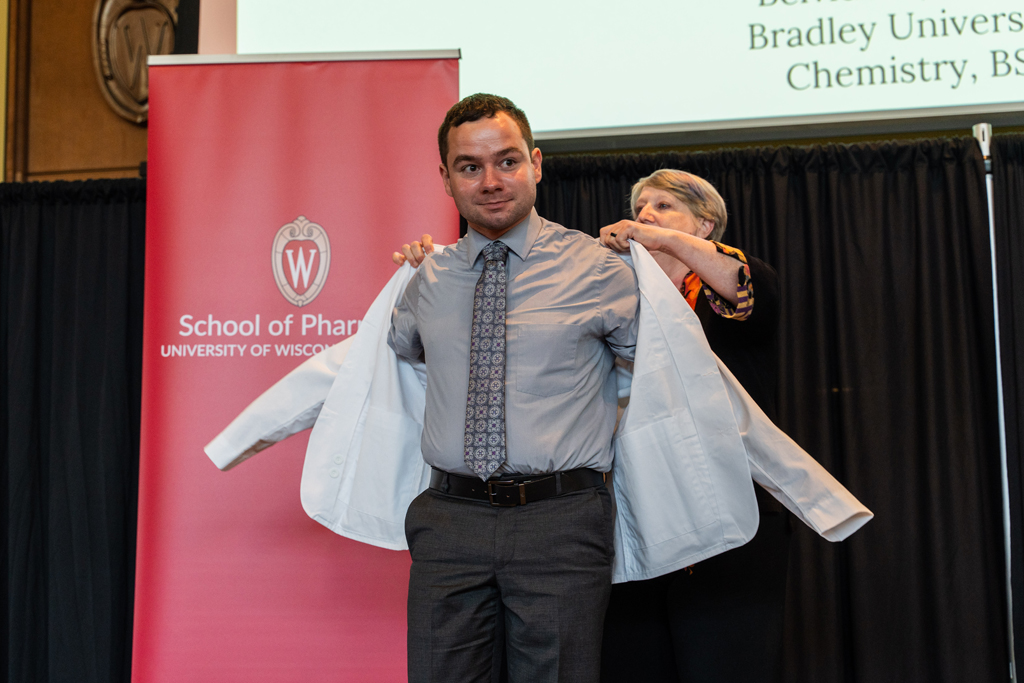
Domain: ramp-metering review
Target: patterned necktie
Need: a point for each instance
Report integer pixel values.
(485, 406)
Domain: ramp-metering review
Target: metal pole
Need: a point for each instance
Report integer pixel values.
(983, 134)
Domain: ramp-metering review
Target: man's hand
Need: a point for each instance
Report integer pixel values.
(414, 253)
(617, 236)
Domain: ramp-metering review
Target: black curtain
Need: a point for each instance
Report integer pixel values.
(186, 33)
(71, 279)
(887, 377)
(1008, 187)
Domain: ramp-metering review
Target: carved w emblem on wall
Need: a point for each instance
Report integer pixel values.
(125, 33)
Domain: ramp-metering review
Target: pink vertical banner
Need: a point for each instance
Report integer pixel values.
(276, 194)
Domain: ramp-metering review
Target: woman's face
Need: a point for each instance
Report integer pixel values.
(665, 210)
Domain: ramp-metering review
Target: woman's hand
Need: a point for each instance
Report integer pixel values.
(414, 253)
(617, 236)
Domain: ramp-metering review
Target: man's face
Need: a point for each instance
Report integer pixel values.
(491, 174)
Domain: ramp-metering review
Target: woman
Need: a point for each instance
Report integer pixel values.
(721, 619)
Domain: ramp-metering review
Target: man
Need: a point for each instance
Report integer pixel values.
(520, 406)
(519, 324)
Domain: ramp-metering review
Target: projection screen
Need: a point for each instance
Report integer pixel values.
(601, 67)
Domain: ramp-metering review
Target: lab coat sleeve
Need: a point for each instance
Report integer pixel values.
(792, 476)
(294, 403)
(774, 461)
(291, 405)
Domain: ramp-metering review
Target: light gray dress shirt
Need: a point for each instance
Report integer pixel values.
(572, 306)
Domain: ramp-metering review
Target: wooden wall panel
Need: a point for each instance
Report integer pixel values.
(69, 132)
(72, 131)
(4, 11)
(16, 106)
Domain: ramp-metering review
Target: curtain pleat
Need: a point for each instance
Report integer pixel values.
(887, 377)
(70, 339)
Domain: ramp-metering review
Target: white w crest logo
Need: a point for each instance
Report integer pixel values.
(301, 259)
(303, 267)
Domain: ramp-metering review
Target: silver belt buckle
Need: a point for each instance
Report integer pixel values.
(522, 493)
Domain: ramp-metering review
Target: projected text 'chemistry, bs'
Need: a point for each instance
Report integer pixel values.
(920, 49)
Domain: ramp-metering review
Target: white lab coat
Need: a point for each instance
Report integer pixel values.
(686, 449)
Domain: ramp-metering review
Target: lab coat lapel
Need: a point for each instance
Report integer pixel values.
(363, 465)
(676, 502)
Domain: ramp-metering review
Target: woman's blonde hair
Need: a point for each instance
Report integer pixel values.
(699, 196)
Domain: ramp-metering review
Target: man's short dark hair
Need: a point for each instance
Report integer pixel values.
(476, 107)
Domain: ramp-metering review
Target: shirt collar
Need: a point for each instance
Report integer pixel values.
(519, 238)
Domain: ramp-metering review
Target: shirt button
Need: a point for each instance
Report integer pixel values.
(337, 460)
(334, 473)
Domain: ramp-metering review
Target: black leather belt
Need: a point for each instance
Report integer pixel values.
(515, 490)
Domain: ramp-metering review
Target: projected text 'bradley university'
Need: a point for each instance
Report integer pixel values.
(581, 65)
(952, 70)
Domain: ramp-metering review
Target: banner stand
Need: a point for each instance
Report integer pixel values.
(277, 189)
